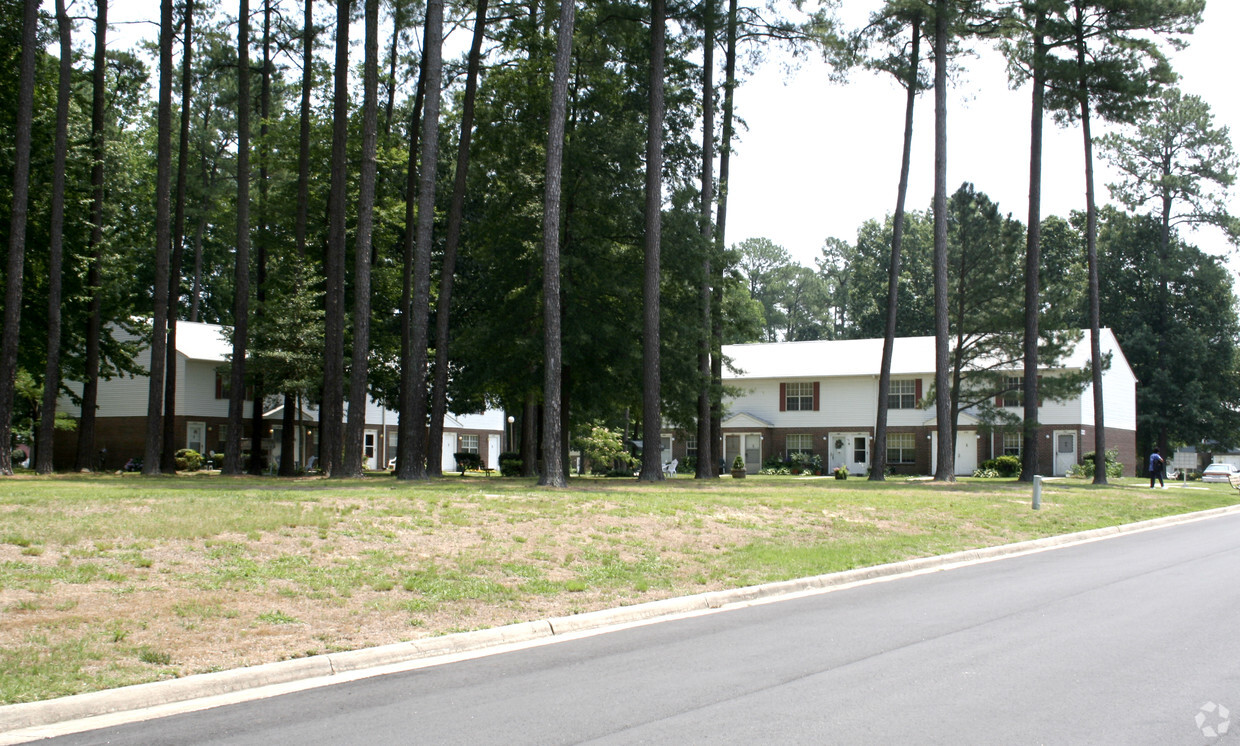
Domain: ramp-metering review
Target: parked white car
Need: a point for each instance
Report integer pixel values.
(1219, 472)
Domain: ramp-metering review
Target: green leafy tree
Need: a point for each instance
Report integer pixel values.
(765, 265)
(1178, 167)
(1185, 353)
(604, 448)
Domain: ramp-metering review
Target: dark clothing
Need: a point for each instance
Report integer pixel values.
(1156, 469)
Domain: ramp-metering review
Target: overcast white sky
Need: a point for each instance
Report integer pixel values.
(819, 159)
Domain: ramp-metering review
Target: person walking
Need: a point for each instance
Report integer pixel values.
(1157, 464)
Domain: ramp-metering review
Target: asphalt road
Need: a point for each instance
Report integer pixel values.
(1122, 641)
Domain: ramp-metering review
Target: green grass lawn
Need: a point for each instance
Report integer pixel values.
(113, 580)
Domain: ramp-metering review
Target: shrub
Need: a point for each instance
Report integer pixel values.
(981, 473)
(188, 460)
(1085, 469)
(17, 456)
(780, 471)
(738, 462)
(1004, 466)
(510, 464)
(797, 463)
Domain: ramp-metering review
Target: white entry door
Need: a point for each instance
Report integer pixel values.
(447, 460)
(370, 443)
(966, 452)
(1065, 451)
(850, 450)
(748, 446)
(493, 451)
(196, 436)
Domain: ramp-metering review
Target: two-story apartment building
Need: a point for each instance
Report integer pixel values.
(202, 414)
(821, 398)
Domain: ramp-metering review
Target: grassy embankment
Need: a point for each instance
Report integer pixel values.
(114, 580)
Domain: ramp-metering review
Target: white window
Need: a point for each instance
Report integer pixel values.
(803, 443)
(468, 444)
(799, 396)
(903, 394)
(1014, 395)
(1013, 444)
(861, 449)
(691, 446)
(901, 448)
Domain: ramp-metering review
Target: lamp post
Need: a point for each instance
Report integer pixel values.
(508, 439)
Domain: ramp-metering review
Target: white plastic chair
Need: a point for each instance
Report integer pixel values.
(669, 469)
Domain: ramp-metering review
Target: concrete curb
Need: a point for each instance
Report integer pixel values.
(141, 696)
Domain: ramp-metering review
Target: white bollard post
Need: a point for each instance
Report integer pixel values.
(1037, 492)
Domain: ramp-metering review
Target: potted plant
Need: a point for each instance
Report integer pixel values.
(738, 467)
(841, 472)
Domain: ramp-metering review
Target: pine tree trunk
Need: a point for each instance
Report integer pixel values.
(413, 371)
(168, 463)
(878, 454)
(332, 411)
(553, 462)
(292, 411)
(705, 466)
(439, 391)
(1033, 256)
(721, 221)
(241, 270)
(406, 426)
(303, 140)
(354, 447)
(652, 421)
(398, 18)
(163, 248)
(51, 377)
(529, 436)
(1091, 252)
(85, 458)
(17, 233)
(945, 467)
(258, 427)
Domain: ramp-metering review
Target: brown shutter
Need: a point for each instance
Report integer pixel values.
(816, 390)
(219, 385)
(917, 389)
(783, 397)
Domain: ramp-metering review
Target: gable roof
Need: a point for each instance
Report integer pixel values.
(863, 357)
(745, 419)
(198, 341)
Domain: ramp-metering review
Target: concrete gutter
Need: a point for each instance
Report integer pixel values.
(28, 721)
